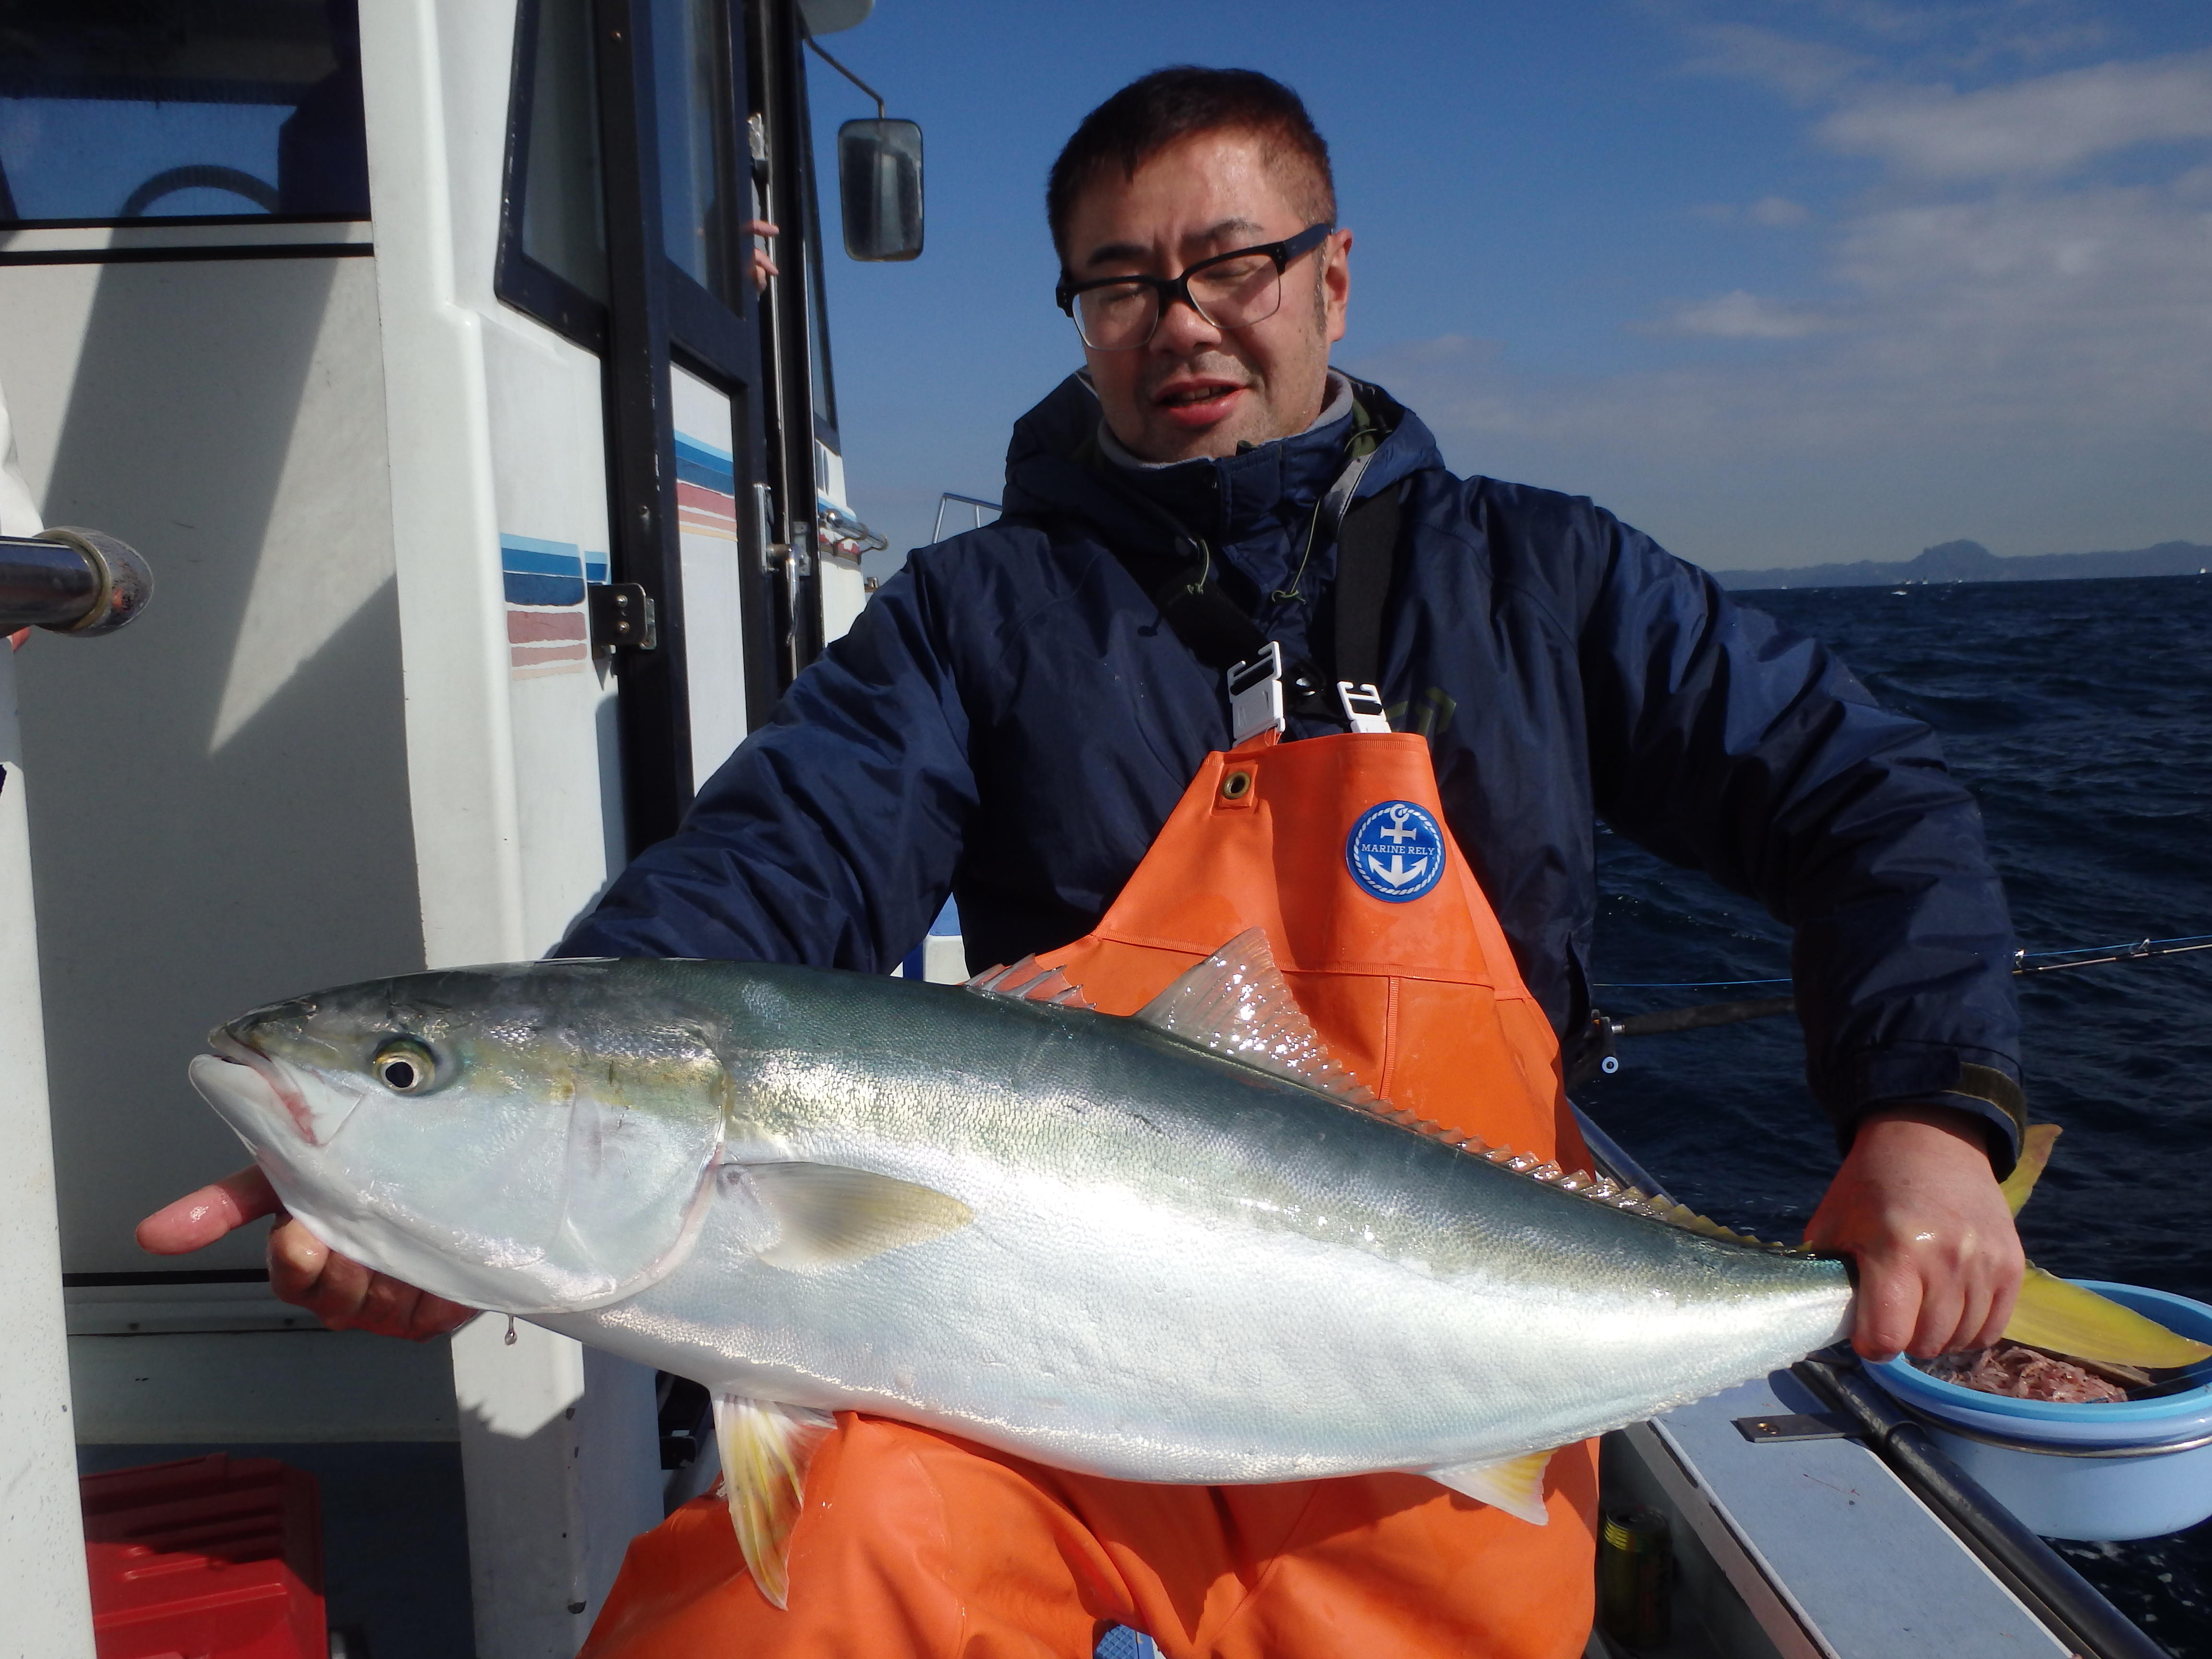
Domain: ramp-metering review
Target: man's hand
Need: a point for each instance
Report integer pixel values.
(763, 267)
(302, 1269)
(1916, 1204)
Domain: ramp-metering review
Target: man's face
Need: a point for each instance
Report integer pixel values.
(1194, 389)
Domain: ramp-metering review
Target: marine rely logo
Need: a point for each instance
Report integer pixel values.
(1395, 852)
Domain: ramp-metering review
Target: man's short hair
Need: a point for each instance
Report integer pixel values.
(1149, 114)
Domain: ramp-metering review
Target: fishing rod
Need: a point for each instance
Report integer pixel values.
(1598, 1054)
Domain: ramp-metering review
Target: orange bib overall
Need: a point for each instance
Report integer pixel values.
(915, 1543)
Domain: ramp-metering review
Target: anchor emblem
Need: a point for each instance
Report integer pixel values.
(1395, 852)
(1398, 875)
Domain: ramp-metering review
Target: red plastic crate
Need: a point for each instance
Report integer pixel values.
(212, 1557)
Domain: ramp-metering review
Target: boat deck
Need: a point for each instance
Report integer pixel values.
(1805, 1548)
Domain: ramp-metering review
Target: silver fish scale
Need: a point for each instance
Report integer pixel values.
(1178, 1269)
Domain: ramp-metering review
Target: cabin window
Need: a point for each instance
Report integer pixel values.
(692, 107)
(114, 110)
(817, 295)
(564, 227)
(553, 229)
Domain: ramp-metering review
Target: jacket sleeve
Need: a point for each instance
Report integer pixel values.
(1725, 742)
(831, 835)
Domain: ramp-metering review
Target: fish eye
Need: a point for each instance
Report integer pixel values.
(404, 1067)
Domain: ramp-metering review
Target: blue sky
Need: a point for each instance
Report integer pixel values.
(1779, 283)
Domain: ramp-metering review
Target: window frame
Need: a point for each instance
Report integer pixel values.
(657, 316)
(11, 218)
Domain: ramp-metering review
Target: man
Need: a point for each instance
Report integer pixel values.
(1016, 714)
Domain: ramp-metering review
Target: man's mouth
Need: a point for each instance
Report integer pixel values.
(1198, 403)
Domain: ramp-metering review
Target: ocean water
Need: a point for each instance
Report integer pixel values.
(2080, 712)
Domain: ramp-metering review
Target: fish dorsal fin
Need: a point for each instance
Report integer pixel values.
(830, 1215)
(1236, 1004)
(766, 1447)
(2070, 1319)
(2034, 1153)
(1604, 1190)
(1027, 981)
(1515, 1485)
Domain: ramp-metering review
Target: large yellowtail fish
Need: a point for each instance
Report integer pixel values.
(1183, 1247)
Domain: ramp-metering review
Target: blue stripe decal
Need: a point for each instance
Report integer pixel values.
(544, 590)
(532, 551)
(541, 564)
(700, 447)
(595, 567)
(722, 482)
(705, 465)
(541, 573)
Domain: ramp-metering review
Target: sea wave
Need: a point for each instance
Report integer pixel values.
(2081, 714)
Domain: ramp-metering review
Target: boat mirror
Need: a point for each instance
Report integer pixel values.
(879, 187)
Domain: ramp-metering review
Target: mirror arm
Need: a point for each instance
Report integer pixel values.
(815, 47)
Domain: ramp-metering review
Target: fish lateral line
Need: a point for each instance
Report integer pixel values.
(1237, 1006)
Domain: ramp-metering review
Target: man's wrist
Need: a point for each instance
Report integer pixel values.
(1980, 1129)
(1967, 1126)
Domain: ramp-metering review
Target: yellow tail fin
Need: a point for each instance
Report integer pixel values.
(2034, 1153)
(2066, 1319)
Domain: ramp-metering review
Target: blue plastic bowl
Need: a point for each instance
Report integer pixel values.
(2140, 1468)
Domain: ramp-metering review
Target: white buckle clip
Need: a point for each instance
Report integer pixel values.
(1255, 694)
(1362, 707)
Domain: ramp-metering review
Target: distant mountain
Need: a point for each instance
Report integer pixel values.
(1970, 562)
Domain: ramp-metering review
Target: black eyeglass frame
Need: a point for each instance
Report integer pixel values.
(1172, 288)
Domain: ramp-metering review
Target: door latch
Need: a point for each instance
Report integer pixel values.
(622, 617)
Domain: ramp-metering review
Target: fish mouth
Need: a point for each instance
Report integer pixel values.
(248, 1087)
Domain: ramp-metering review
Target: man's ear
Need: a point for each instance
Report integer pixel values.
(1336, 281)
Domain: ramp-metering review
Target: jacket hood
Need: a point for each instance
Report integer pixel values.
(1052, 467)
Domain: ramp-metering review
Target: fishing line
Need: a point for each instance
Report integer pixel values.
(1599, 1056)
(2135, 951)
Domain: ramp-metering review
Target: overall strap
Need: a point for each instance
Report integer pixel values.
(1194, 604)
(1181, 581)
(1366, 557)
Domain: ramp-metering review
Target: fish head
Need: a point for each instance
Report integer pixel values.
(534, 1139)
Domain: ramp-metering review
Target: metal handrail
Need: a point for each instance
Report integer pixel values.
(71, 581)
(937, 531)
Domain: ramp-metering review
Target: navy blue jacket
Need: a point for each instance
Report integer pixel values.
(1010, 721)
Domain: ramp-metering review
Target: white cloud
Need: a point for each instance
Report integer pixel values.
(2002, 348)
(1806, 71)
(1743, 316)
(2050, 125)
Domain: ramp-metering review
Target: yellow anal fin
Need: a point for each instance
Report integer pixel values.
(2066, 1319)
(1515, 1485)
(2034, 1153)
(766, 1447)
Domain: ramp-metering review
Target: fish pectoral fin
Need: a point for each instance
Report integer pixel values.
(1236, 1004)
(1515, 1485)
(766, 1447)
(827, 1215)
(2067, 1319)
(2034, 1153)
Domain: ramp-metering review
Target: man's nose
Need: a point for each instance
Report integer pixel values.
(1182, 329)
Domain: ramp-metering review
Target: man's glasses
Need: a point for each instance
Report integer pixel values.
(1229, 290)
